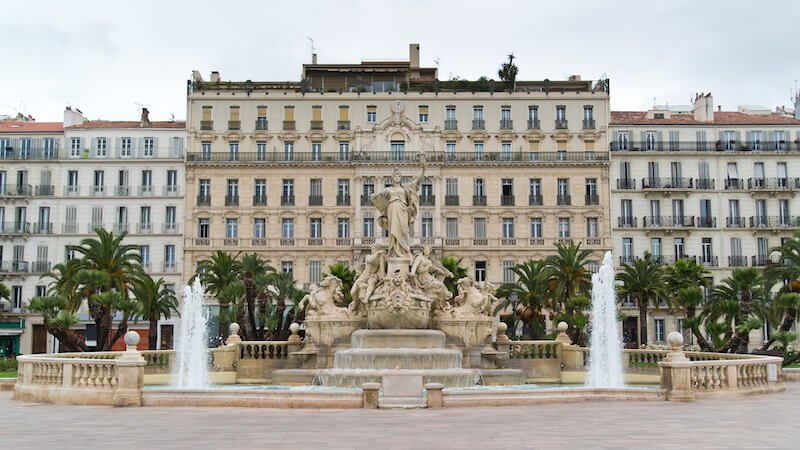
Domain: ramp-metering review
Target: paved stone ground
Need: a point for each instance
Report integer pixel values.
(767, 421)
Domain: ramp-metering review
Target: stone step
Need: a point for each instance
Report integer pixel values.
(397, 358)
(357, 377)
(398, 339)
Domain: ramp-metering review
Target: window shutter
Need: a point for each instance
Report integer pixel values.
(288, 113)
(344, 113)
(316, 113)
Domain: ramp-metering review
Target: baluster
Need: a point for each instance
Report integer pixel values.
(693, 377)
(715, 377)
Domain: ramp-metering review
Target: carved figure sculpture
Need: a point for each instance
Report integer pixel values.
(429, 277)
(321, 301)
(470, 300)
(398, 207)
(364, 286)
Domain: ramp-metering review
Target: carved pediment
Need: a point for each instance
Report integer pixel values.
(316, 136)
(451, 135)
(288, 136)
(561, 136)
(589, 135)
(506, 135)
(533, 136)
(233, 136)
(478, 136)
(261, 137)
(343, 135)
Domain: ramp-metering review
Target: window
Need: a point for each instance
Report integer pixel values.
(508, 272)
(16, 296)
(288, 151)
(508, 227)
(259, 227)
(505, 151)
(147, 182)
(659, 328)
(536, 227)
(233, 150)
(144, 217)
(755, 140)
(344, 150)
(172, 181)
(287, 267)
(535, 191)
(450, 150)
(423, 113)
(204, 189)
(261, 150)
(368, 187)
(561, 114)
(315, 228)
(372, 114)
(233, 188)
(314, 272)
(40, 290)
(729, 140)
(343, 191)
(149, 146)
(591, 227)
(288, 190)
(563, 227)
(343, 228)
(761, 213)
(205, 150)
(783, 212)
(478, 187)
(316, 117)
(451, 227)
(451, 187)
(260, 188)
(426, 227)
(706, 251)
(655, 248)
(450, 112)
(316, 151)
(678, 246)
(398, 150)
(588, 116)
(203, 228)
(479, 227)
(125, 147)
(477, 112)
(533, 115)
(75, 147)
(779, 140)
(627, 250)
(170, 220)
(231, 228)
(477, 149)
(169, 256)
(426, 189)
(144, 254)
(783, 176)
(287, 228)
(101, 147)
(623, 140)
(261, 117)
(480, 270)
(368, 228)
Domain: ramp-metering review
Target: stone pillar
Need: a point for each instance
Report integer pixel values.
(563, 337)
(502, 342)
(233, 334)
(294, 338)
(435, 396)
(130, 373)
(369, 395)
(676, 372)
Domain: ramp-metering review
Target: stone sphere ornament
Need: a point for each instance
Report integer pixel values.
(675, 340)
(132, 338)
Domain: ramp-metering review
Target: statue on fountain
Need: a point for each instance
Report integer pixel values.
(364, 286)
(429, 276)
(321, 301)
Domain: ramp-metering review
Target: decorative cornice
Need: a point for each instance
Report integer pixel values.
(533, 136)
(478, 136)
(561, 136)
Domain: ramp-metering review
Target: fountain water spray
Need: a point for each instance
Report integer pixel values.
(191, 359)
(605, 359)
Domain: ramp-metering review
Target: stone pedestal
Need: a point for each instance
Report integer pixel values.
(370, 395)
(398, 264)
(435, 398)
(130, 374)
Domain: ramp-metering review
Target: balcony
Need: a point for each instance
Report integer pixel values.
(170, 266)
(507, 200)
(146, 190)
(478, 124)
(287, 242)
(119, 227)
(427, 200)
(626, 222)
(763, 260)
(708, 261)
(508, 241)
(478, 200)
(171, 190)
(343, 200)
(14, 267)
(202, 242)
(316, 125)
(592, 199)
(534, 124)
(262, 124)
(230, 242)
(206, 125)
(289, 125)
(563, 199)
(287, 200)
(45, 190)
(231, 200)
(16, 228)
(451, 200)
(366, 200)
(258, 242)
(668, 222)
(737, 261)
(234, 125)
(735, 222)
(342, 125)
(92, 226)
(170, 228)
(203, 200)
(506, 124)
(734, 184)
(667, 183)
(561, 124)
(451, 124)
(315, 242)
(144, 227)
(535, 200)
(15, 190)
(704, 146)
(706, 222)
(773, 184)
(704, 183)
(588, 124)
(626, 183)
(69, 228)
(344, 241)
(626, 259)
(259, 200)
(43, 228)
(40, 266)
(122, 191)
(314, 200)
(72, 191)
(775, 222)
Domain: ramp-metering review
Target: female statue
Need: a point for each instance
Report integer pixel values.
(398, 206)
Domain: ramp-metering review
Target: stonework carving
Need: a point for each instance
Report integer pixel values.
(321, 301)
(429, 277)
(398, 205)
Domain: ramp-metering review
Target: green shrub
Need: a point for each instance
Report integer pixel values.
(8, 364)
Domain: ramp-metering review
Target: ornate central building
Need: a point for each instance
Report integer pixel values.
(286, 169)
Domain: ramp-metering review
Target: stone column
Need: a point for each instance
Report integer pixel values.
(130, 373)
(435, 396)
(676, 372)
(369, 395)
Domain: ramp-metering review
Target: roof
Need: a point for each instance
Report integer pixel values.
(31, 127)
(92, 124)
(720, 118)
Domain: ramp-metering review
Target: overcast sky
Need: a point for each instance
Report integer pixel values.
(106, 56)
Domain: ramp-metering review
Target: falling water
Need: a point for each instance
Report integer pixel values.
(605, 359)
(191, 362)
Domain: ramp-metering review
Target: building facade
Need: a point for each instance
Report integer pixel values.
(285, 169)
(719, 187)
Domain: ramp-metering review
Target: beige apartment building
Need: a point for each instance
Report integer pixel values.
(719, 187)
(285, 169)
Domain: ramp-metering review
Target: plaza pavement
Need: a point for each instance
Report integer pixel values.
(765, 421)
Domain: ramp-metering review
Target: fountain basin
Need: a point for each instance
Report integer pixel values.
(397, 358)
(357, 377)
(398, 339)
(399, 311)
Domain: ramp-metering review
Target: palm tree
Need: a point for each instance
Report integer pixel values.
(734, 301)
(453, 264)
(684, 279)
(348, 276)
(156, 300)
(216, 274)
(569, 274)
(57, 320)
(65, 283)
(690, 299)
(642, 281)
(283, 285)
(789, 271)
(4, 292)
(531, 294)
(252, 266)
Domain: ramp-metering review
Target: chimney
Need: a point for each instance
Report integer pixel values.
(313, 58)
(413, 56)
(703, 107)
(215, 77)
(145, 121)
(73, 117)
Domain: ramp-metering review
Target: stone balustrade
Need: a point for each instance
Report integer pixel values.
(533, 350)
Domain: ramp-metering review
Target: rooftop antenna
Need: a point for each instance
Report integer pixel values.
(313, 50)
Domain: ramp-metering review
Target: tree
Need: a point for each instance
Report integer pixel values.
(690, 299)
(684, 279)
(785, 308)
(5, 293)
(216, 274)
(569, 278)
(642, 281)
(155, 301)
(453, 264)
(733, 302)
(508, 73)
(283, 285)
(252, 266)
(57, 320)
(532, 294)
(348, 276)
